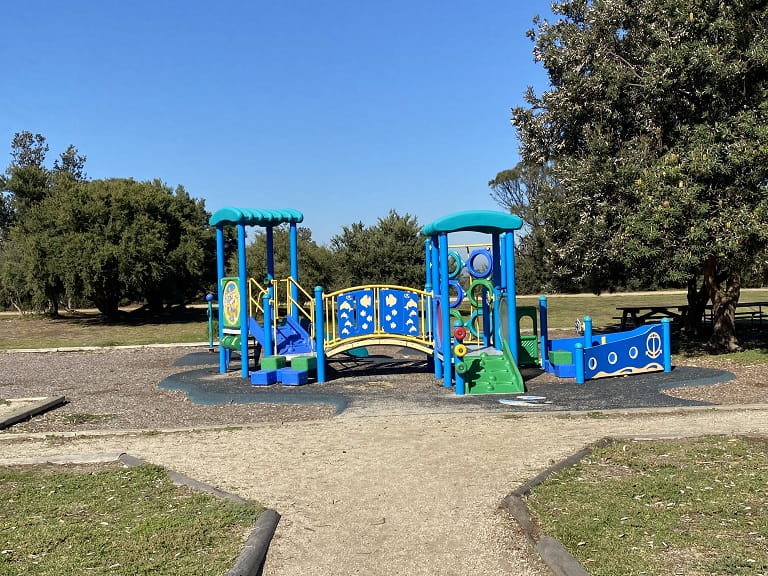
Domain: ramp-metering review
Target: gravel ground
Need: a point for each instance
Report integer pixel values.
(372, 493)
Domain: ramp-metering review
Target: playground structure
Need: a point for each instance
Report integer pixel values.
(478, 353)
(645, 349)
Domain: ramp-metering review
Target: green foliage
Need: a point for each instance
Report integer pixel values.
(108, 240)
(315, 262)
(28, 180)
(523, 191)
(390, 252)
(656, 124)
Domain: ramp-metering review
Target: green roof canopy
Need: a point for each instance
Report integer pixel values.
(252, 217)
(485, 221)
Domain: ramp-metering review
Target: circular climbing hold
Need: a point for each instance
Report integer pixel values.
(478, 271)
(461, 367)
(458, 318)
(458, 264)
(475, 322)
(459, 297)
(480, 283)
(460, 350)
(460, 332)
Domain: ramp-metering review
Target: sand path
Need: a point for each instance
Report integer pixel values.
(411, 494)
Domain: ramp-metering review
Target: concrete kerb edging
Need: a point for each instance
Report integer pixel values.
(552, 552)
(251, 560)
(37, 406)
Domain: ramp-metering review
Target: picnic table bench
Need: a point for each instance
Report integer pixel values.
(639, 315)
(755, 312)
(634, 316)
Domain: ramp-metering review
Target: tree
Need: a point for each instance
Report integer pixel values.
(391, 252)
(28, 180)
(70, 164)
(115, 239)
(521, 191)
(315, 262)
(655, 123)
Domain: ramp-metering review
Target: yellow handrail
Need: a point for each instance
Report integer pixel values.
(254, 301)
(291, 304)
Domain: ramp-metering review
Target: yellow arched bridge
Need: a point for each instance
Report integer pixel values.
(353, 317)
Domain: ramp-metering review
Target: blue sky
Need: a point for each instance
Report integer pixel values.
(343, 109)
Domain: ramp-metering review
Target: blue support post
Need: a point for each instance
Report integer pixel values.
(428, 266)
(219, 290)
(429, 311)
(270, 253)
(578, 359)
(445, 312)
(320, 333)
(434, 255)
(587, 332)
(666, 332)
(513, 330)
(460, 385)
(544, 324)
(209, 300)
(266, 304)
(435, 269)
(294, 242)
(244, 371)
(496, 276)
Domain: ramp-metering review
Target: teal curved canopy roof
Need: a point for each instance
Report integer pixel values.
(485, 221)
(253, 217)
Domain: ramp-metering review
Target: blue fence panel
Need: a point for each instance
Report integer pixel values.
(354, 314)
(639, 351)
(399, 312)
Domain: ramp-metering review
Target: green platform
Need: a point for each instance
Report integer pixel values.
(491, 373)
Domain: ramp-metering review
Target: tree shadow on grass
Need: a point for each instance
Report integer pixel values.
(137, 317)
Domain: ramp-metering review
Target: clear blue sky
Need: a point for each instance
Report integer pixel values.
(343, 109)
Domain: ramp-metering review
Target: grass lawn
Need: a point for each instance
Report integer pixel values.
(563, 310)
(91, 329)
(684, 507)
(191, 324)
(73, 520)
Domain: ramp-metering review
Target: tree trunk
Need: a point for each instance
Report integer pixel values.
(18, 307)
(698, 296)
(108, 305)
(724, 300)
(154, 302)
(53, 307)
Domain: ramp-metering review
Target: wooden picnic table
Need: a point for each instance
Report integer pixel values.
(638, 315)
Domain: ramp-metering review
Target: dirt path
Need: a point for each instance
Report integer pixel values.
(384, 495)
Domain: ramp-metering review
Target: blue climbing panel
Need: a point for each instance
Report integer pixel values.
(355, 314)
(399, 312)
